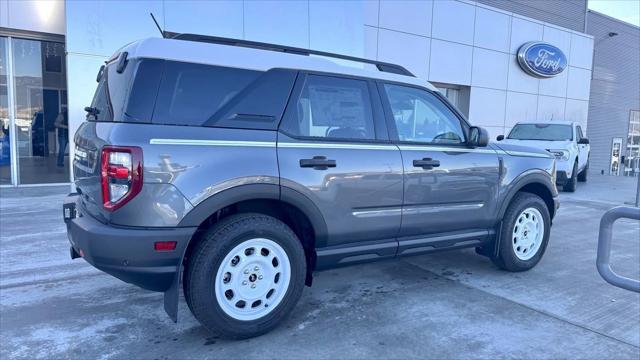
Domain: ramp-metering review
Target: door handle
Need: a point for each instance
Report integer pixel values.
(318, 163)
(426, 163)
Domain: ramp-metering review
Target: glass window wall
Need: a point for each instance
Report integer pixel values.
(39, 118)
(5, 146)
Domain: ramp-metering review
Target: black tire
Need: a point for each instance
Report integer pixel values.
(572, 182)
(209, 253)
(582, 177)
(507, 258)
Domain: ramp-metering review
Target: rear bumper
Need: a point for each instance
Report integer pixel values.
(126, 253)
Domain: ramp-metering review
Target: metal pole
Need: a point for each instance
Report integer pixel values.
(638, 192)
(604, 247)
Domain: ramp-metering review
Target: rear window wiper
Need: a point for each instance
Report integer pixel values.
(93, 111)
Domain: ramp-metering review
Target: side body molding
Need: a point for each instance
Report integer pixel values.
(234, 195)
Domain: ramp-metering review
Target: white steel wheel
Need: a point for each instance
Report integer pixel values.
(252, 279)
(528, 233)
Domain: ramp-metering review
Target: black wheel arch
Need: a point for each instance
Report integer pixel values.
(536, 182)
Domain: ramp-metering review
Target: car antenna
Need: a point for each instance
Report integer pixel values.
(158, 25)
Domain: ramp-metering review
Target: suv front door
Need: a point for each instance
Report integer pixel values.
(333, 148)
(450, 189)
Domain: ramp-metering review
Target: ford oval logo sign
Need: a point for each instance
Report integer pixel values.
(541, 59)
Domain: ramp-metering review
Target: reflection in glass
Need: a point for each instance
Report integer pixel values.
(632, 160)
(41, 118)
(5, 149)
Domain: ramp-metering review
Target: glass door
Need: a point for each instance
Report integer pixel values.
(616, 146)
(632, 161)
(5, 143)
(40, 112)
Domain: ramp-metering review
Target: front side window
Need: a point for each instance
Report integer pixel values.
(549, 132)
(579, 133)
(332, 107)
(422, 117)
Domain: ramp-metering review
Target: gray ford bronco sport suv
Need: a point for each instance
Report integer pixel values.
(236, 169)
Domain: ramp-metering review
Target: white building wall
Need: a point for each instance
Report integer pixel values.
(454, 42)
(33, 15)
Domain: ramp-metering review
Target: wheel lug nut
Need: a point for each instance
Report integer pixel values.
(253, 286)
(246, 271)
(260, 277)
(256, 268)
(244, 282)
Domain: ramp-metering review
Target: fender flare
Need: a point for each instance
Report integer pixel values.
(528, 177)
(231, 196)
(534, 176)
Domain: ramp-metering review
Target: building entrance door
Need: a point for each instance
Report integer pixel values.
(616, 146)
(33, 112)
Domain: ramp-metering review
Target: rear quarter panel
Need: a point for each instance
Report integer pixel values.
(185, 165)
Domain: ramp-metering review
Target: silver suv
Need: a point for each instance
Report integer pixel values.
(237, 169)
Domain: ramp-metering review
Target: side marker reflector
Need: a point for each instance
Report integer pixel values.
(165, 245)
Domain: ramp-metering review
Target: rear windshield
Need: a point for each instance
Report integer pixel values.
(549, 132)
(111, 94)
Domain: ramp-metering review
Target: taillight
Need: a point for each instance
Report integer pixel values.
(121, 175)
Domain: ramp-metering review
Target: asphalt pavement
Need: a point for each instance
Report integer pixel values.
(445, 305)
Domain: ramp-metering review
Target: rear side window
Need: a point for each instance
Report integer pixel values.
(144, 89)
(331, 107)
(190, 94)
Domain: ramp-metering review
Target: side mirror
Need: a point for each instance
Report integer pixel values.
(583, 141)
(500, 137)
(478, 137)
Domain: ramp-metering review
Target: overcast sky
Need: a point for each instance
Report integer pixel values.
(625, 10)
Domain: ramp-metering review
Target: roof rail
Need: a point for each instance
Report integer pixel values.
(381, 66)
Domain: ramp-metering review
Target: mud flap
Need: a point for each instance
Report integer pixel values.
(172, 296)
(492, 250)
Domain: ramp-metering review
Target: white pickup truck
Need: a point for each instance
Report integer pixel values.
(565, 140)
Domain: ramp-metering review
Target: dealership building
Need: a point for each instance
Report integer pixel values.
(50, 53)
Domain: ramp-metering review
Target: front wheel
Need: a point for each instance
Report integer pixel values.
(245, 276)
(525, 233)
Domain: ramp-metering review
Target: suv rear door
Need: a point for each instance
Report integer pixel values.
(449, 188)
(333, 148)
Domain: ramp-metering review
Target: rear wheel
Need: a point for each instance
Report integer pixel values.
(572, 182)
(582, 177)
(525, 233)
(245, 276)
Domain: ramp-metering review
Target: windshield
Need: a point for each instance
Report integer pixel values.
(549, 132)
